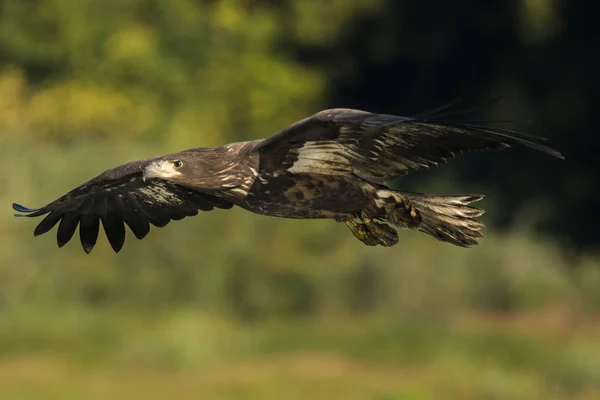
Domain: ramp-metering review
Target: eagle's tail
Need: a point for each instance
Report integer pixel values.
(448, 218)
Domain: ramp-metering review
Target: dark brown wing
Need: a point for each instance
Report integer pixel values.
(116, 197)
(378, 147)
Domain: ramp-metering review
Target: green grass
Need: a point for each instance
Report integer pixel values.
(192, 355)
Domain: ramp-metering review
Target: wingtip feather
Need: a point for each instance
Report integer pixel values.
(23, 209)
(87, 249)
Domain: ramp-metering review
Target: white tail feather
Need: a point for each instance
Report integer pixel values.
(447, 218)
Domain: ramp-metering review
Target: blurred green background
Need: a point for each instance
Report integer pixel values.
(231, 305)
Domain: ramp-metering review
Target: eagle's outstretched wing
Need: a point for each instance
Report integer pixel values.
(117, 196)
(378, 147)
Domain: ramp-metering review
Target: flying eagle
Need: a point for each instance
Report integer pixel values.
(333, 164)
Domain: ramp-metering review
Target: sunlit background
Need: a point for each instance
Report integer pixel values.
(231, 305)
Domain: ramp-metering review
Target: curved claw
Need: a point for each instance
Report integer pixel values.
(385, 234)
(361, 232)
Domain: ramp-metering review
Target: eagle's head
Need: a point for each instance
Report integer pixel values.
(210, 169)
(164, 169)
(185, 165)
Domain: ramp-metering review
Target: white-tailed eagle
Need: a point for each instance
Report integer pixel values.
(333, 164)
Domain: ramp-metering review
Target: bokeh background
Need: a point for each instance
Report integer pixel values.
(230, 305)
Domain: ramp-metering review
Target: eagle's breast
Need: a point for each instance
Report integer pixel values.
(304, 195)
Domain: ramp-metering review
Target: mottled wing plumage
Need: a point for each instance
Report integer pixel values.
(117, 197)
(312, 145)
(378, 147)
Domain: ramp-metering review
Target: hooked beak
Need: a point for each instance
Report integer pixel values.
(159, 169)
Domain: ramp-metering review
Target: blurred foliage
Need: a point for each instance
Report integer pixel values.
(233, 305)
(145, 67)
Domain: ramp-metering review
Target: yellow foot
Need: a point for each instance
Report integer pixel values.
(385, 234)
(361, 232)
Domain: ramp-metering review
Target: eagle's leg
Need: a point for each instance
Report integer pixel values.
(361, 232)
(385, 234)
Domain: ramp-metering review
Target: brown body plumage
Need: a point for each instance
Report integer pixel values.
(334, 164)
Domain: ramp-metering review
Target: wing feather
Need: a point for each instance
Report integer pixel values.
(116, 198)
(67, 227)
(156, 215)
(89, 226)
(115, 230)
(134, 218)
(379, 147)
(48, 222)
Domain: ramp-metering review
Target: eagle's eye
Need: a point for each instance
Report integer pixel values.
(177, 164)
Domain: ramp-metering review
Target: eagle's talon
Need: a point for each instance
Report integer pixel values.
(385, 234)
(362, 233)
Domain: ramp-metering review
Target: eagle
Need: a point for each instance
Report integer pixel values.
(335, 164)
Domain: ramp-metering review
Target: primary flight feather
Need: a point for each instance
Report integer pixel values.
(333, 164)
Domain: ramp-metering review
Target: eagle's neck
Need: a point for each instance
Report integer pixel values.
(235, 178)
